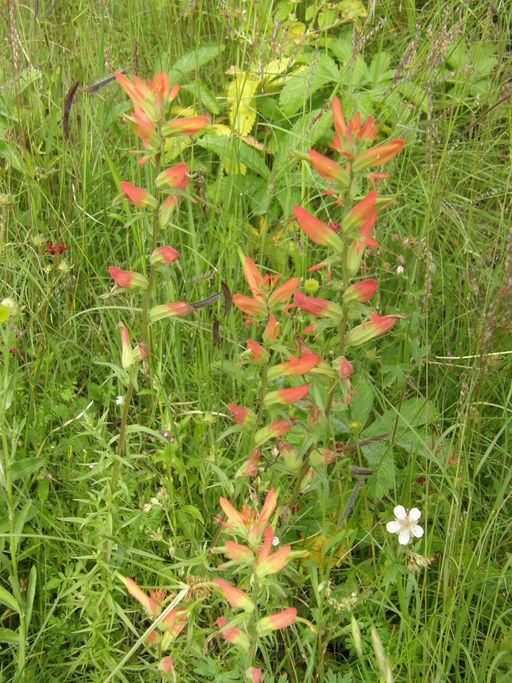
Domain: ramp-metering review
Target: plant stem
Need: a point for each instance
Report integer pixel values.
(13, 546)
(263, 388)
(342, 331)
(143, 340)
(236, 492)
(251, 627)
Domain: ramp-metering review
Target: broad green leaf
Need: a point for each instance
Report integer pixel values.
(379, 70)
(192, 60)
(341, 46)
(384, 478)
(235, 151)
(306, 81)
(359, 73)
(417, 95)
(4, 313)
(301, 137)
(242, 101)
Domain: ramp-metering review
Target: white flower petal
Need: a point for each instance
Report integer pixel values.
(400, 512)
(414, 514)
(393, 527)
(417, 530)
(404, 537)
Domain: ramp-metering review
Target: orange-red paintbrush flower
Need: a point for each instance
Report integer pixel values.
(318, 231)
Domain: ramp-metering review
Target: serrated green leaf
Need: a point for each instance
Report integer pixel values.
(242, 110)
(359, 72)
(379, 67)
(341, 46)
(415, 94)
(384, 478)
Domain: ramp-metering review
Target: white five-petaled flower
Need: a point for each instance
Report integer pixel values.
(405, 524)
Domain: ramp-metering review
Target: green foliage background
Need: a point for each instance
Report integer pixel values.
(435, 73)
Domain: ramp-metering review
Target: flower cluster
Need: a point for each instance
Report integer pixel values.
(150, 120)
(151, 101)
(345, 309)
(348, 239)
(265, 423)
(169, 628)
(254, 559)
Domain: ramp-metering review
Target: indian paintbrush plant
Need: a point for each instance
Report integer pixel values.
(291, 393)
(317, 385)
(255, 564)
(153, 122)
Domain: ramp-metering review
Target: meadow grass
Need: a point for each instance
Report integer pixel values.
(448, 230)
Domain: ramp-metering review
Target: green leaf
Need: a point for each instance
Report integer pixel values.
(4, 313)
(306, 81)
(296, 139)
(24, 468)
(192, 60)
(415, 94)
(341, 46)
(203, 95)
(359, 73)
(31, 592)
(362, 403)
(235, 150)
(7, 599)
(193, 512)
(8, 636)
(379, 70)
(379, 457)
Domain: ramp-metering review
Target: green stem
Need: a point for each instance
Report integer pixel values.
(342, 332)
(251, 627)
(143, 340)
(263, 388)
(10, 516)
(252, 436)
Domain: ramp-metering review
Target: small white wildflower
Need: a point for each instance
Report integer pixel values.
(275, 542)
(405, 524)
(119, 400)
(400, 270)
(147, 507)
